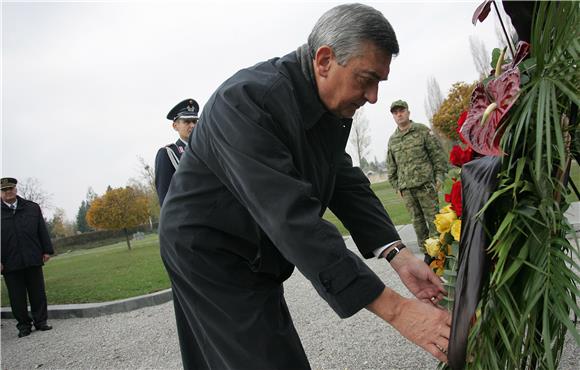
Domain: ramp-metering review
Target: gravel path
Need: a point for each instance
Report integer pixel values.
(147, 339)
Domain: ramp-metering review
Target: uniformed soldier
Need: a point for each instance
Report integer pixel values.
(184, 117)
(25, 247)
(416, 166)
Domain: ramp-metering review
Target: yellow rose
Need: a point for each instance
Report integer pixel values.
(456, 229)
(443, 221)
(432, 246)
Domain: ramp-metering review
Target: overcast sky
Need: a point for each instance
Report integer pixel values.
(86, 86)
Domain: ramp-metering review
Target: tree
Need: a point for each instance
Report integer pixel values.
(58, 226)
(359, 135)
(119, 208)
(481, 57)
(31, 189)
(433, 99)
(457, 101)
(82, 224)
(501, 36)
(145, 182)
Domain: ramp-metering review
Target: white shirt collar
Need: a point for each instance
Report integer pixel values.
(10, 205)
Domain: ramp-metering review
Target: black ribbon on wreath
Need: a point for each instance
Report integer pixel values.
(478, 182)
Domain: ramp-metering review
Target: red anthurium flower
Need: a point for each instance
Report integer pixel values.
(458, 157)
(487, 108)
(481, 12)
(460, 122)
(522, 51)
(455, 198)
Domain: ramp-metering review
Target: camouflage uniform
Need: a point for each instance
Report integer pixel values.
(415, 162)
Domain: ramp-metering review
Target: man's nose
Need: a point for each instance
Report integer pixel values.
(372, 93)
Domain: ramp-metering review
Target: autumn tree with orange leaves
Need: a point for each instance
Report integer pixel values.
(457, 101)
(119, 208)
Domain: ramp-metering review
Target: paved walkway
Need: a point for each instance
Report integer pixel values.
(146, 338)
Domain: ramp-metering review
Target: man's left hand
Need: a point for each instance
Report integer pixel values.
(418, 277)
(45, 257)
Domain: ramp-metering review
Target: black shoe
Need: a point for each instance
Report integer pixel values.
(23, 332)
(43, 327)
(428, 259)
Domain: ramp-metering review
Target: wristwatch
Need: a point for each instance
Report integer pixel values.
(394, 252)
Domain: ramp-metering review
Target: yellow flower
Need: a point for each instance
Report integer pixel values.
(438, 264)
(443, 221)
(442, 238)
(456, 229)
(432, 246)
(447, 209)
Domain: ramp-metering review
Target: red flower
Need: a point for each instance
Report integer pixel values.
(481, 12)
(458, 157)
(455, 198)
(500, 93)
(460, 122)
(495, 100)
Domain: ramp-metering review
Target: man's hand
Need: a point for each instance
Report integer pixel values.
(423, 324)
(45, 257)
(418, 277)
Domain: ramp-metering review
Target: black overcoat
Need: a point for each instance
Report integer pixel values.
(164, 169)
(245, 206)
(24, 237)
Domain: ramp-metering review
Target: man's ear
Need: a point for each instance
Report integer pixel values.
(322, 60)
(175, 125)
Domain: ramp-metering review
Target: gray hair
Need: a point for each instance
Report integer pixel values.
(346, 28)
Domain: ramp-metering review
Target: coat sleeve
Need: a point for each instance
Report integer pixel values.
(359, 209)
(241, 148)
(392, 169)
(164, 171)
(436, 155)
(43, 235)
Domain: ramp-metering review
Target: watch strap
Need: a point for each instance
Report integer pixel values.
(395, 251)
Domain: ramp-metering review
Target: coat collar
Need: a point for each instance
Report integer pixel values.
(311, 107)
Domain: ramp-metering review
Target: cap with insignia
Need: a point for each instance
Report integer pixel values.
(186, 109)
(7, 182)
(399, 104)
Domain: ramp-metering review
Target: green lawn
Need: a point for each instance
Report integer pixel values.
(113, 272)
(391, 201)
(104, 274)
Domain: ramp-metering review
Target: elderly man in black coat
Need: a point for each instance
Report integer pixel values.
(245, 206)
(26, 246)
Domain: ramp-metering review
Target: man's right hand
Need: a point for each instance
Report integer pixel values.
(422, 323)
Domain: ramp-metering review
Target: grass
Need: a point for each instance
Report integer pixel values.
(391, 201)
(104, 274)
(113, 272)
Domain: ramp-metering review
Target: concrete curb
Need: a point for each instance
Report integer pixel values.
(67, 311)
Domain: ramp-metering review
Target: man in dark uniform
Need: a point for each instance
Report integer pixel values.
(184, 117)
(26, 246)
(246, 203)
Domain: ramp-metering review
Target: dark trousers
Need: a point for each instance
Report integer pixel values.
(228, 316)
(22, 283)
